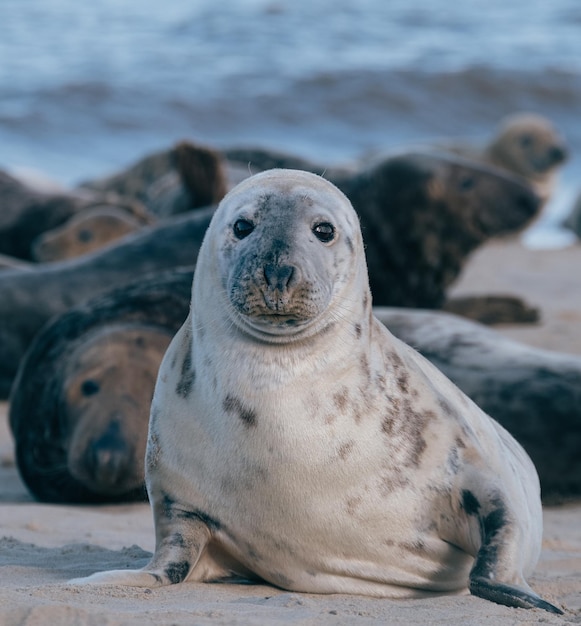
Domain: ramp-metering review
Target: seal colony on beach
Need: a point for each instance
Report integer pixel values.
(421, 214)
(293, 439)
(535, 394)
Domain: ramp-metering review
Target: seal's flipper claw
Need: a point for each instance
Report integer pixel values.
(509, 595)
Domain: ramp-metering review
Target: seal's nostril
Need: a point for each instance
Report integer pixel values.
(557, 154)
(278, 276)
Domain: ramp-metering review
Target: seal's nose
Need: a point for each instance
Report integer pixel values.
(278, 277)
(557, 154)
(107, 458)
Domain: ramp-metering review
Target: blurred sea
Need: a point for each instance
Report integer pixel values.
(88, 87)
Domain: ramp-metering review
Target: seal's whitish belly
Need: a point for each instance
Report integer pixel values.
(315, 506)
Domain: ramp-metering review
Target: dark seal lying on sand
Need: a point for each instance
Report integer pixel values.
(80, 403)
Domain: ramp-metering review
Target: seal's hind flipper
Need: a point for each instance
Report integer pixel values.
(509, 595)
(497, 571)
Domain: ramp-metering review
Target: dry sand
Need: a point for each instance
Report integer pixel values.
(43, 546)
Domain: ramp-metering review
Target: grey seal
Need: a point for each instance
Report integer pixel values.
(29, 211)
(80, 402)
(529, 145)
(526, 145)
(294, 439)
(83, 233)
(184, 177)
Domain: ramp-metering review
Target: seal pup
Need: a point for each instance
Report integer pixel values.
(294, 439)
(80, 402)
(84, 233)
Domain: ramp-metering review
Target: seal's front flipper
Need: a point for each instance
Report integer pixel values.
(509, 595)
(129, 577)
(182, 537)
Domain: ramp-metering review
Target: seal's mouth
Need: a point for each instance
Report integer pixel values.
(550, 159)
(268, 314)
(278, 319)
(275, 327)
(275, 322)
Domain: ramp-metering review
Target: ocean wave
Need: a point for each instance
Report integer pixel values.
(334, 114)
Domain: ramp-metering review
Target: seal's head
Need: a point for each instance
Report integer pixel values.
(530, 146)
(283, 250)
(83, 233)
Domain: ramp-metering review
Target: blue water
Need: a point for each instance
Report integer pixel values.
(88, 87)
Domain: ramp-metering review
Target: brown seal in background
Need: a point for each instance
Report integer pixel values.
(80, 403)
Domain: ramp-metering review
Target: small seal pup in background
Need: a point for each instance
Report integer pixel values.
(294, 440)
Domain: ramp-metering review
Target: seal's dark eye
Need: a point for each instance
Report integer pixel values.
(89, 387)
(466, 183)
(85, 235)
(526, 141)
(243, 228)
(324, 232)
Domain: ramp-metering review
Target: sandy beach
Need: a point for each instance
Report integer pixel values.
(43, 546)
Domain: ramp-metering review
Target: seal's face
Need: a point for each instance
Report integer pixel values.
(530, 146)
(287, 251)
